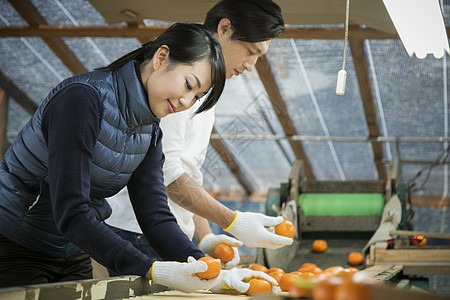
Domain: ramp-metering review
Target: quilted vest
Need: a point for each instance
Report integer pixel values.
(127, 129)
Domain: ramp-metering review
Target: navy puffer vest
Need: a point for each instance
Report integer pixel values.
(127, 129)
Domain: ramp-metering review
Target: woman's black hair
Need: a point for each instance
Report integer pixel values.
(251, 20)
(188, 43)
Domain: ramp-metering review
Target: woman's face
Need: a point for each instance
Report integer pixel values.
(176, 88)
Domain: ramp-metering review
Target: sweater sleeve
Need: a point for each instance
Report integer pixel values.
(70, 125)
(147, 194)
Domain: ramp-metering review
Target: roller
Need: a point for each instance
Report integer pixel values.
(342, 204)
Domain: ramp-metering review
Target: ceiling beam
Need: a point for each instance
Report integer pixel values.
(20, 97)
(279, 106)
(26, 9)
(141, 31)
(365, 89)
(231, 162)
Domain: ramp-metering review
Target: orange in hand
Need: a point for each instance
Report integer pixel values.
(285, 228)
(258, 267)
(355, 258)
(214, 268)
(319, 246)
(259, 287)
(224, 252)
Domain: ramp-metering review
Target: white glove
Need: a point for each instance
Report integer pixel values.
(236, 281)
(180, 276)
(210, 241)
(250, 228)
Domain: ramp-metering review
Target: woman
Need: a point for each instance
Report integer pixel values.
(93, 134)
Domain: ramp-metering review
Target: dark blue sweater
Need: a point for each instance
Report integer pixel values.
(76, 109)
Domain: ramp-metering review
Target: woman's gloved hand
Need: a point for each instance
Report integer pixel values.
(250, 228)
(236, 281)
(210, 241)
(181, 276)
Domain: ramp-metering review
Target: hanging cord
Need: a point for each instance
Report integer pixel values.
(342, 74)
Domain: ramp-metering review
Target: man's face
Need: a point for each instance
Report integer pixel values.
(239, 55)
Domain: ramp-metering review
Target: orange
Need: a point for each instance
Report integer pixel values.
(224, 252)
(325, 289)
(355, 258)
(287, 282)
(285, 228)
(334, 269)
(299, 289)
(277, 275)
(259, 287)
(275, 270)
(319, 246)
(258, 267)
(351, 290)
(308, 265)
(418, 240)
(354, 270)
(214, 268)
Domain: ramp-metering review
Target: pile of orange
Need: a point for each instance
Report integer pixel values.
(224, 252)
(310, 281)
(213, 270)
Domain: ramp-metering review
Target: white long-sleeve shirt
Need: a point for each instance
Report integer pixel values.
(185, 142)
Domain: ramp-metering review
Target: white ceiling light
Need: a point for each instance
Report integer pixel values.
(420, 25)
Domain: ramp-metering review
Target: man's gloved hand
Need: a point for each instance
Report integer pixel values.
(181, 276)
(236, 281)
(251, 229)
(210, 241)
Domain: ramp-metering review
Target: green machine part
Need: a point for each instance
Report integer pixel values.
(342, 204)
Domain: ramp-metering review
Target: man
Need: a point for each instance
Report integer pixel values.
(244, 29)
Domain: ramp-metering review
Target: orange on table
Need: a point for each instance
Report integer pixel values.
(324, 290)
(273, 269)
(259, 287)
(333, 269)
(288, 282)
(355, 258)
(319, 246)
(285, 228)
(418, 240)
(351, 269)
(308, 265)
(213, 270)
(224, 252)
(351, 290)
(277, 275)
(258, 267)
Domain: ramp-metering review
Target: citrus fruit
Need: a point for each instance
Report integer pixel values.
(418, 240)
(287, 282)
(214, 268)
(285, 228)
(319, 246)
(275, 270)
(258, 267)
(224, 252)
(354, 270)
(325, 289)
(277, 275)
(355, 258)
(308, 265)
(259, 287)
(333, 269)
(351, 290)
